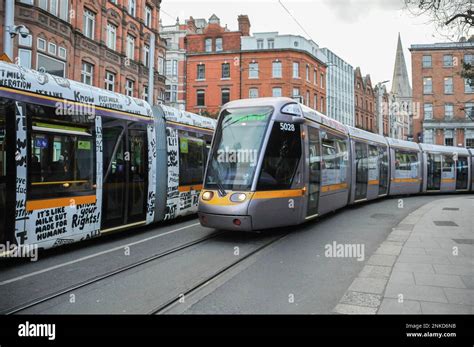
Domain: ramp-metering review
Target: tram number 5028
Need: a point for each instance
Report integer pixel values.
(287, 127)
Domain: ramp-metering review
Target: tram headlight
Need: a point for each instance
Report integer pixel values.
(238, 197)
(206, 196)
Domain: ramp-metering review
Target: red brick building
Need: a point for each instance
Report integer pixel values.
(213, 65)
(444, 100)
(225, 65)
(101, 43)
(365, 102)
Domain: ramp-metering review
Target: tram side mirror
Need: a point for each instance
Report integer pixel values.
(297, 120)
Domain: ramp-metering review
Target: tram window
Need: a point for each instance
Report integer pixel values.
(373, 163)
(281, 157)
(448, 167)
(191, 159)
(462, 169)
(335, 159)
(406, 164)
(62, 160)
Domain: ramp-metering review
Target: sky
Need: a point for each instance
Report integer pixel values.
(362, 32)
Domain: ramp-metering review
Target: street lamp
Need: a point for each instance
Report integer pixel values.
(11, 30)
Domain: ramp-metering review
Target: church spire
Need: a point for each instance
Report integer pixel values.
(400, 82)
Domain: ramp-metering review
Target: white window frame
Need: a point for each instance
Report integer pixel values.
(86, 73)
(49, 57)
(208, 45)
(132, 7)
(445, 85)
(25, 41)
(424, 63)
(425, 108)
(88, 25)
(253, 93)
(109, 82)
(129, 87)
(277, 72)
(130, 47)
(21, 62)
(146, 55)
(62, 52)
(111, 36)
(148, 16)
(52, 48)
(40, 42)
(296, 69)
(449, 106)
(253, 70)
(425, 85)
(219, 44)
(279, 94)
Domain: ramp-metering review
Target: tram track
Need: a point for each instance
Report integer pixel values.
(32, 303)
(162, 309)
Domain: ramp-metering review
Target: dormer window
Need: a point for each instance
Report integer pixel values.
(219, 47)
(208, 43)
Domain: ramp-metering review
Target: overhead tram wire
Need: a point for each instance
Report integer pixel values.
(296, 21)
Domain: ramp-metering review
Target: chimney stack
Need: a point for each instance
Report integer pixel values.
(244, 25)
(191, 25)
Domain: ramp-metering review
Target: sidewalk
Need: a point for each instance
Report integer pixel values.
(425, 266)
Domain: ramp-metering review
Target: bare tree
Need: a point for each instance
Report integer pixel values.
(453, 18)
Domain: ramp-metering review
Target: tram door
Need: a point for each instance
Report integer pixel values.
(433, 172)
(462, 173)
(362, 172)
(314, 167)
(125, 173)
(383, 170)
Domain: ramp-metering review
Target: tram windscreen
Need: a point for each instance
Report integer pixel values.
(237, 144)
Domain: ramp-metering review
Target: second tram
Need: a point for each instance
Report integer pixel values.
(275, 162)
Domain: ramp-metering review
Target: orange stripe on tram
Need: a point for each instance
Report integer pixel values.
(333, 187)
(274, 194)
(62, 202)
(182, 189)
(406, 180)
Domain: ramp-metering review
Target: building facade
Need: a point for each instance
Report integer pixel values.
(365, 103)
(175, 67)
(224, 65)
(283, 65)
(213, 75)
(102, 43)
(401, 100)
(340, 89)
(382, 109)
(445, 99)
